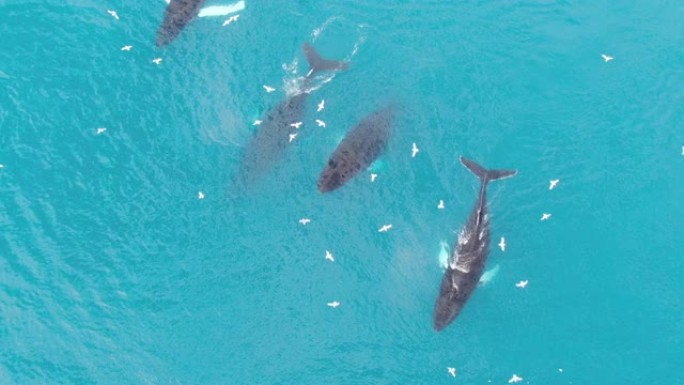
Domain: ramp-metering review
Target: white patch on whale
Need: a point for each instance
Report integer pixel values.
(447, 260)
(454, 285)
(463, 237)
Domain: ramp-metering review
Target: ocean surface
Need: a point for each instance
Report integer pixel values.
(114, 271)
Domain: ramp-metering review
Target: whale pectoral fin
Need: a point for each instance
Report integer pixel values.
(443, 257)
(222, 10)
(488, 275)
(378, 165)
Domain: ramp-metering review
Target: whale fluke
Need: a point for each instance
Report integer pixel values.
(317, 63)
(484, 174)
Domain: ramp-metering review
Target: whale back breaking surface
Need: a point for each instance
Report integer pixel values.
(362, 145)
(467, 264)
(177, 15)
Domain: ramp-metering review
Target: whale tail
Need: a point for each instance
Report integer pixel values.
(317, 63)
(484, 174)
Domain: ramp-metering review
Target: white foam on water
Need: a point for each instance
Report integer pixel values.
(317, 31)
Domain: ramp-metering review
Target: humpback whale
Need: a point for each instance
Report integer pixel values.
(467, 262)
(362, 145)
(179, 13)
(273, 137)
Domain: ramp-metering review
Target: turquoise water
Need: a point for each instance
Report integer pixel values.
(112, 271)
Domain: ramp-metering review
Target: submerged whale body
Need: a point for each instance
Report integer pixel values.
(176, 16)
(179, 13)
(362, 145)
(467, 262)
(273, 136)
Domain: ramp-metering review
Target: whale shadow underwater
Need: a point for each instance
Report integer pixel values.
(466, 264)
(272, 139)
(362, 145)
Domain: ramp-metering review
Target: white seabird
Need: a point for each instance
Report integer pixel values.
(553, 183)
(230, 20)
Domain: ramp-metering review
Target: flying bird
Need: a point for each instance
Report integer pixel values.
(329, 256)
(606, 58)
(440, 205)
(384, 228)
(545, 216)
(304, 221)
(256, 122)
(231, 19)
(292, 137)
(502, 244)
(321, 106)
(113, 13)
(333, 304)
(296, 125)
(320, 123)
(126, 48)
(414, 150)
(452, 371)
(269, 89)
(157, 61)
(521, 285)
(553, 183)
(373, 176)
(200, 195)
(100, 131)
(515, 379)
